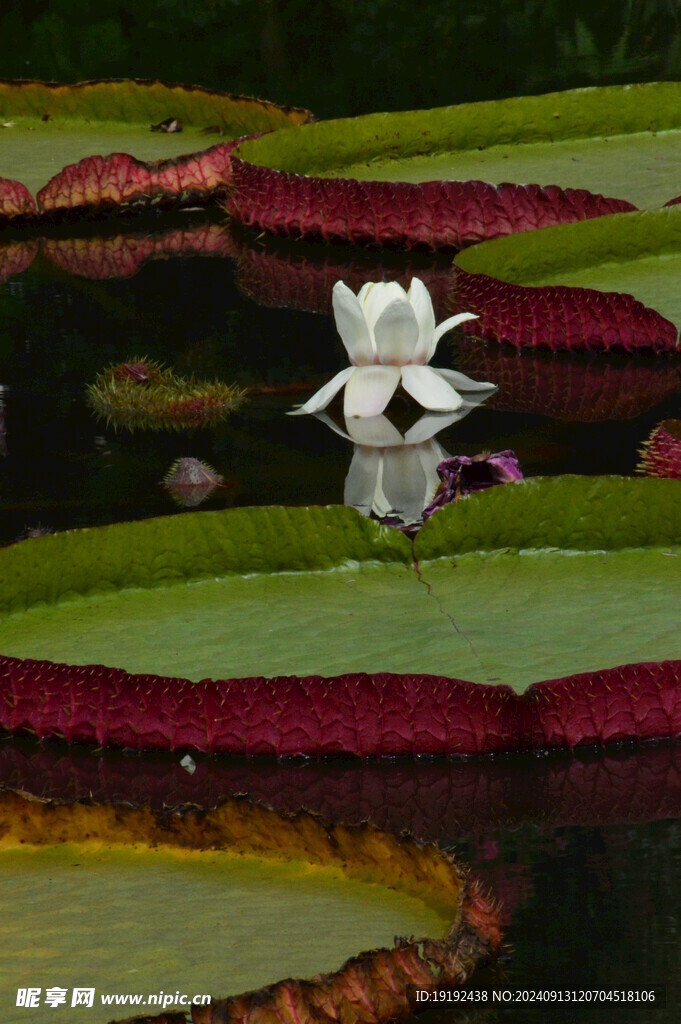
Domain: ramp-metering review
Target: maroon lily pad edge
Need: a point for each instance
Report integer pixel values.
(379, 715)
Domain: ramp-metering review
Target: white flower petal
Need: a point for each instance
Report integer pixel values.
(448, 325)
(321, 398)
(396, 333)
(376, 296)
(429, 389)
(419, 297)
(370, 389)
(463, 383)
(374, 431)
(351, 325)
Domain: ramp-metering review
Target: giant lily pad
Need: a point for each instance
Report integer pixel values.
(357, 619)
(48, 126)
(454, 175)
(607, 284)
(265, 883)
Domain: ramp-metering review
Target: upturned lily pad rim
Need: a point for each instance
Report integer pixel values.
(570, 114)
(520, 258)
(570, 512)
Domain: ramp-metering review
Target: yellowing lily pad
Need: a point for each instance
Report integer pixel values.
(203, 904)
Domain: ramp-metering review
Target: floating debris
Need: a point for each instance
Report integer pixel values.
(170, 125)
(463, 474)
(142, 394)
(188, 763)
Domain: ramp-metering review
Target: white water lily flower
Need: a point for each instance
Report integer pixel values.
(390, 336)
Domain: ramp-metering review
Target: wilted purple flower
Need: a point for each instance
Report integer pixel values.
(462, 475)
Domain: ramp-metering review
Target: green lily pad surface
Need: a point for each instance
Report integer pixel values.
(272, 920)
(525, 582)
(45, 127)
(622, 141)
(636, 253)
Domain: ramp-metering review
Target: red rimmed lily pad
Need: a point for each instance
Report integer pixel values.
(447, 177)
(91, 146)
(571, 287)
(501, 590)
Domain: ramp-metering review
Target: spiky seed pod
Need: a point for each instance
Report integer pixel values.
(661, 453)
(142, 394)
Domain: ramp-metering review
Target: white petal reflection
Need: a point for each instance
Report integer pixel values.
(374, 431)
(410, 478)
(364, 482)
(431, 423)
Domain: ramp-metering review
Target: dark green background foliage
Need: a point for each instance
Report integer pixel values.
(347, 56)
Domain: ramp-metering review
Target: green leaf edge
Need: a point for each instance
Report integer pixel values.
(571, 114)
(567, 513)
(523, 257)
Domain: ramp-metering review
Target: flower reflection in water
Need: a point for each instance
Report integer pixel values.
(394, 476)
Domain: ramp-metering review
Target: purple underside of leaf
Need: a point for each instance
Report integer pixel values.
(560, 317)
(367, 715)
(427, 215)
(106, 182)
